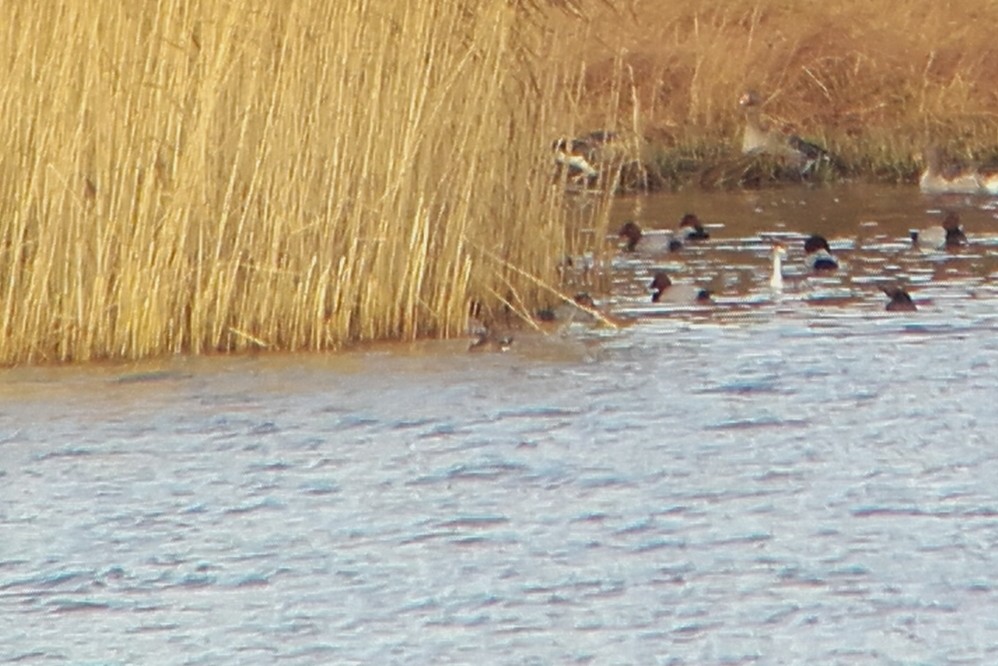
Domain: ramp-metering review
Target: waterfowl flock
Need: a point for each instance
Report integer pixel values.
(585, 164)
(818, 259)
(666, 263)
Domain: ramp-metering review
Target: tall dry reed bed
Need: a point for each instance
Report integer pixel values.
(874, 81)
(196, 176)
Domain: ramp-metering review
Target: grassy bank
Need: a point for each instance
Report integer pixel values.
(872, 81)
(196, 176)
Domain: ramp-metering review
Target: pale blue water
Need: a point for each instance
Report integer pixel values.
(806, 480)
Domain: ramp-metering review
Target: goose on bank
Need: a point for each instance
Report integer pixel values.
(761, 137)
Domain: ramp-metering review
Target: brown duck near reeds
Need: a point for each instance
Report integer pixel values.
(579, 309)
(486, 341)
(485, 338)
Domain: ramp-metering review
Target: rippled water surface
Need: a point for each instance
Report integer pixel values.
(795, 479)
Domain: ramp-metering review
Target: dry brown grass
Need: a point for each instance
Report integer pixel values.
(874, 81)
(193, 177)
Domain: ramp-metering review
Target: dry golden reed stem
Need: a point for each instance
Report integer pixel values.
(192, 176)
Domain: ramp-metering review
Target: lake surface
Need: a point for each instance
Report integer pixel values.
(774, 479)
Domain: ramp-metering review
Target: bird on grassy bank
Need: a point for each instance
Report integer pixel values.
(776, 277)
(762, 138)
(947, 235)
(946, 176)
(575, 155)
(665, 291)
(579, 154)
(818, 255)
(900, 299)
(657, 242)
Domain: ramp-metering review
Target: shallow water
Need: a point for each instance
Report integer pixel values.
(794, 479)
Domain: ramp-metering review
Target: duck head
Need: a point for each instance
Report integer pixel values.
(691, 227)
(954, 233)
(631, 232)
(659, 283)
(585, 300)
(815, 243)
(900, 299)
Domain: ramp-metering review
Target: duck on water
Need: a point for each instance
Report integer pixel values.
(947, 235)
(664, 290)
(660, 241)
(818, 255)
